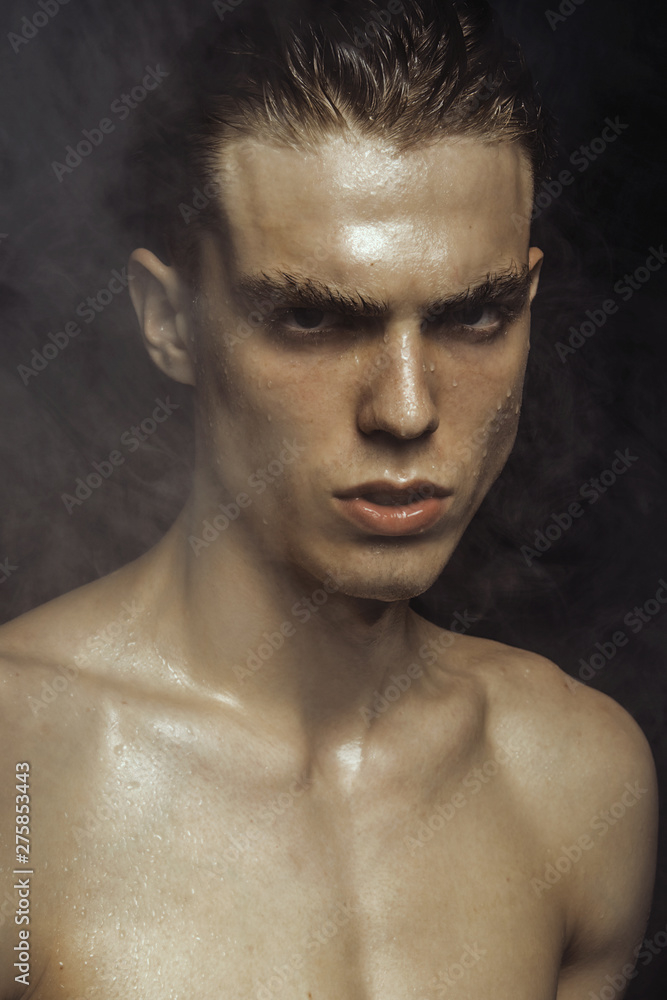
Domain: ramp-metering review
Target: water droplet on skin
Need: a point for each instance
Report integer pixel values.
(499, 407)
(516, 409)
(454, 384)
(432, 367)
(485, 453)
(269, 384)
(509, 393)
(269, 417)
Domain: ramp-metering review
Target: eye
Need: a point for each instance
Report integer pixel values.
(306, 319)
(474, 322)
(482, 318)
(307, 324)
(471, 315)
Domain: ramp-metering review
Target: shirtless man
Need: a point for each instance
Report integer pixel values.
(253, 771)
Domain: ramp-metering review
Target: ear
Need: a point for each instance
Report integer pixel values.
(535, 261)
(161, 303)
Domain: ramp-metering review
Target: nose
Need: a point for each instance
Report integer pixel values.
(397, 396)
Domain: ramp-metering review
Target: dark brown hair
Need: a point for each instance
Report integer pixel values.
(296, 71)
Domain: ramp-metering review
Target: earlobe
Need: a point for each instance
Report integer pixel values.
(161, 304)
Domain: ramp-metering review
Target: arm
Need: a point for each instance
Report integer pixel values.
(610, 900)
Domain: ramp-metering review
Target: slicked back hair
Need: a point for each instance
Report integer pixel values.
(295, 72)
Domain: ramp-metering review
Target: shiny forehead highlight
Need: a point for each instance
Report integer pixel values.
(297, 72)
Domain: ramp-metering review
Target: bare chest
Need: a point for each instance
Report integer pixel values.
(170, 882)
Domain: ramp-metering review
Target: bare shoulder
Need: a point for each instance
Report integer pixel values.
(57, 665)
(575, 752)
(591, 740)
(555, 721)
(53, 662)
(584, 782)
(93, 617)
(96, 611)
(58, 651)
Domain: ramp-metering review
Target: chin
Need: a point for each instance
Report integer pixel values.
(390, 593)
(397, 583)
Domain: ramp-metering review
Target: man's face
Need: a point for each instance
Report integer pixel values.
(371, 309)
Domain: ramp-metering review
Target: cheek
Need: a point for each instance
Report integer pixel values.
(475, 388)
(303, 392)
(481, 415)
(251, 407)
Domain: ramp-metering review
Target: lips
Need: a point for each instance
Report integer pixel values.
(390, 494)
(394, 510)
(389, 499)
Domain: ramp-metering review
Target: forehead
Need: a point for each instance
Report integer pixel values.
(353, 210)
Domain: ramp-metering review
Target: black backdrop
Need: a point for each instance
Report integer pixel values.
(60, 245)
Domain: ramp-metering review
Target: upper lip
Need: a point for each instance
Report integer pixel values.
(418, 489)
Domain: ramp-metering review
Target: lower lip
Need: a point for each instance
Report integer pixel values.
(413, 519)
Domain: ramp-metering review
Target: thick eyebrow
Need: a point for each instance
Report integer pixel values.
(510, 285)
(289, 290)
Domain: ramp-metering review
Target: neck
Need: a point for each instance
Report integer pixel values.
(270, 639)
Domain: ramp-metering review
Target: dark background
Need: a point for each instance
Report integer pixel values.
(60, 242)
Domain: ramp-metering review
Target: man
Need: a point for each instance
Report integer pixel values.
(253, 771)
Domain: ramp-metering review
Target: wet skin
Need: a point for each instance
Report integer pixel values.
(364, 323)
